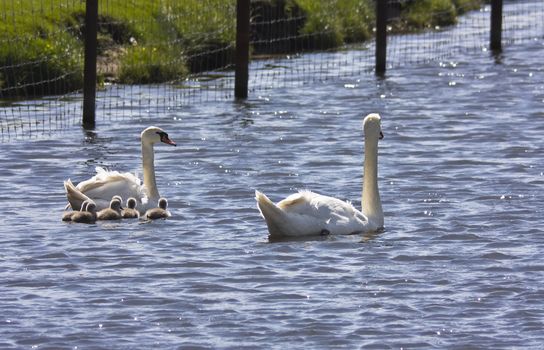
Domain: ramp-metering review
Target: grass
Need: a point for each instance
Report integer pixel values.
(335, 22)
(150, 64)
(422, 14)
(145, 41)
(140, 41)
(34, 48)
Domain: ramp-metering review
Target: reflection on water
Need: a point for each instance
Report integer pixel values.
(459, 264)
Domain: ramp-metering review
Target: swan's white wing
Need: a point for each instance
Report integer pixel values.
(104, 176)
(106, 184)
(316, 205)
(312, 213)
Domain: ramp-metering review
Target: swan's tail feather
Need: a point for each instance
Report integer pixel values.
(266, 206)
(75, 197)
(274, 216)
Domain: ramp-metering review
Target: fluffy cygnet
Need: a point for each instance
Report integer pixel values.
(111, 213)
(87, 214)
(160, 212)
(67, 215)
(130, 212)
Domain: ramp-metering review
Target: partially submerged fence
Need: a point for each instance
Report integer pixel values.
(155, 56)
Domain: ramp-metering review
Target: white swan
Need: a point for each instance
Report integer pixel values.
(307, 213)
(106, 184)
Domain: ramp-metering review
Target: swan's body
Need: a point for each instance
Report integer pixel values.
(307, 213)
(160, 212)
(111, 213)
(130, 212)
(106, 184)
(87, 213)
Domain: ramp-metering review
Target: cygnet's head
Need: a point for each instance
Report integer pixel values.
(131, 203)
(91, 207)
(163, 203)
(117, 197)
(372, 126)
(115, 204)
(154, 134)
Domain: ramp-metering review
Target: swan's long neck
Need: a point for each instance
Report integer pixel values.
(148, 159)
(371, 203)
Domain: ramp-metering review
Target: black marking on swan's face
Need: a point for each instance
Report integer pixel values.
(165, 139)
(381, 135)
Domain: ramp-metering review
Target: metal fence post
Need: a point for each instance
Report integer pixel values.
(496, 25)
(89, 69)
(381, 36)
(242, 49)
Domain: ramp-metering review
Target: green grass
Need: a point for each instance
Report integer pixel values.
(335, 22)
(144, 41)
(429, 13)
(463, 6)
(422, 14)
(29, 35)
(150, 64)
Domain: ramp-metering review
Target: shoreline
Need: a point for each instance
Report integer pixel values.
(48, 57)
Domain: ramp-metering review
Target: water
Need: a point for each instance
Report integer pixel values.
(458, 266)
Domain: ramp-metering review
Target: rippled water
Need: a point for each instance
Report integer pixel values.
(459, 265)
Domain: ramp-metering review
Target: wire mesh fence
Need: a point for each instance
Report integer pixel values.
(522, 21)
(172, 54)
(156, 56)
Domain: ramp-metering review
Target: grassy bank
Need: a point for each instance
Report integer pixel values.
(143, 41)
(423, 14)
(139, 41)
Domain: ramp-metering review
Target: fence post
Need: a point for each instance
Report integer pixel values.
(381, 36)
(496, 25)
(89, 69)
(242, 49)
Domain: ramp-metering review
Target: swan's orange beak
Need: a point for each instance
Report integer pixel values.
(166, 140)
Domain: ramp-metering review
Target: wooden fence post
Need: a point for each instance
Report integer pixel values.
(496, 26)
(242, 49)
(381, 36)
(89, 69)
